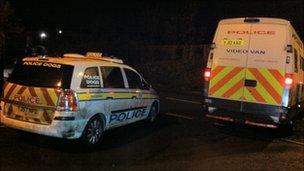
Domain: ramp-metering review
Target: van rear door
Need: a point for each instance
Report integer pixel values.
(264, 82)
(229, 61)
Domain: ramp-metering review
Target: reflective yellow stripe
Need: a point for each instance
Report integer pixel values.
(228, 89)
(149, 96)
(7, 88)
(26, 111)
(237, 95)
(220, 75)
(248, 96)
(271, 82)
(263, 92)
(114, 95)
(88, 96)
(268, 90)
(275, 84)
(120, 95)
(53, 94)
(230, 84)
(40, 95)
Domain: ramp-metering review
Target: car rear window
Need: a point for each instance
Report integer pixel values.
(42, 74)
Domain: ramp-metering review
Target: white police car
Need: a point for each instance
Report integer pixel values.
(76, 96)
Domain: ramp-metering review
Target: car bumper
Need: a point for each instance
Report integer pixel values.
(69, 129)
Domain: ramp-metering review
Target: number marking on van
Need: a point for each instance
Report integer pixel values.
(233, 42)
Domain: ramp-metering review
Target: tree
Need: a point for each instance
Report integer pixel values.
(9, 27)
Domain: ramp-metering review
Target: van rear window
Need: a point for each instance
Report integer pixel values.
(42, 74)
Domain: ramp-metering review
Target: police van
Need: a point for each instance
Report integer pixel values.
(76, 96)
(254, 73)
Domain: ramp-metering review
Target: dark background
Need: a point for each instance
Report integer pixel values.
(96, 25)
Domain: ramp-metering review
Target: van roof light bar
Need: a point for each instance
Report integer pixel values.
(252, 20)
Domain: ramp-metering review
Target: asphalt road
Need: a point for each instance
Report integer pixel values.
(181, 139)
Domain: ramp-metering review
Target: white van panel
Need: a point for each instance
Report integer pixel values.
(267, 50)
(230, 47)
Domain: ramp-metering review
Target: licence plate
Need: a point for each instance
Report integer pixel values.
(28, 112)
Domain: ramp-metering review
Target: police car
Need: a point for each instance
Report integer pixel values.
(76, 96)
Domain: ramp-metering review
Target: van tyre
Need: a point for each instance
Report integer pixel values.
(93, 132)
(153, 113)
(286, 129)
(205, 109)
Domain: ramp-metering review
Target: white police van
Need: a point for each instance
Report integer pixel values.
(255, 73)
(75, 96)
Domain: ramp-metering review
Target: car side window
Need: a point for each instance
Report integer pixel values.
(133, 78)
(90, 78)
(112, 77)
(296, 60)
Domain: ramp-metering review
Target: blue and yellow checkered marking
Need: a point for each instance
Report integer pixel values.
(114, 95)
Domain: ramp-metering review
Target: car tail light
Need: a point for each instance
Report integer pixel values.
(288, 80)
(207, 74)
(67, 101)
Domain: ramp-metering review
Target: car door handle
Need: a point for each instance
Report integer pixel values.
(109, 98)
(250, 83)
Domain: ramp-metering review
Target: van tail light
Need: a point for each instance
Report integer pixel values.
(288, 80)
(207, 74)
(207, 77)
(67, 101)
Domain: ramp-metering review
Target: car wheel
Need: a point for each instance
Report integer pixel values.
(153, 113)
(93, 132)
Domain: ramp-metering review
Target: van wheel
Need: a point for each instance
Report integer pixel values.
(205, 109)
(153, 113)
(93, 132)
(286, 129)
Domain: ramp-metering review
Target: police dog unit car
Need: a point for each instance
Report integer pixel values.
(254, 73)
(75, 96)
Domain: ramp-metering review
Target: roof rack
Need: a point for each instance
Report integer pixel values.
(73, 55)
(98, 56)
(93, 55)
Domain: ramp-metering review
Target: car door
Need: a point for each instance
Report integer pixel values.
(115, 95)
(137, 104)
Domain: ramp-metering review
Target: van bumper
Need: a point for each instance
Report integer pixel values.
(69, 129)
(244, 112)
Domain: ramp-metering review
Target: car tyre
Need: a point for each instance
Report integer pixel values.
(93, 132)
(152, 116)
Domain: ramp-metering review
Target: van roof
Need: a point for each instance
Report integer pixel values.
(261, 20)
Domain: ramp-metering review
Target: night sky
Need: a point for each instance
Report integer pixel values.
(146, 22)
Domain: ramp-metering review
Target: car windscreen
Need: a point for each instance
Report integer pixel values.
(42, 74)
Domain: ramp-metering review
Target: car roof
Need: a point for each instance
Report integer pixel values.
(76, 61)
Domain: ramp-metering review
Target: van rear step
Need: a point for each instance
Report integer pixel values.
(245, 121)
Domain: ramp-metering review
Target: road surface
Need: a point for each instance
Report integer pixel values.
(181, 139)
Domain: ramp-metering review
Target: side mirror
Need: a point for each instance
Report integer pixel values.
(145, 86)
